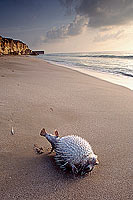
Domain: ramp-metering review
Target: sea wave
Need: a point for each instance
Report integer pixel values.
(89, 55)
(105, 56)
(115, 67)
(120, 64)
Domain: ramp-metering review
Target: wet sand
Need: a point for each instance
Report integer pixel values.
(35, 94)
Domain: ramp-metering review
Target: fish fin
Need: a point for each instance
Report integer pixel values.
(56, 133)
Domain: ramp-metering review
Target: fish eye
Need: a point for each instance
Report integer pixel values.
(88, 168)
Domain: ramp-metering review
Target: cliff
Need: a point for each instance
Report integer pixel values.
(9, 46)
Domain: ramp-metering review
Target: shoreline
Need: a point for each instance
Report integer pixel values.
(117, 80)
(36, 94)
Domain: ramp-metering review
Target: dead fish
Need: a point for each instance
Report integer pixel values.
(72, 152)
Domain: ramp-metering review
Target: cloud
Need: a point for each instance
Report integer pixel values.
(68, 4)
(101, 37)
(103, 12)
(65, 31)
(100, 14)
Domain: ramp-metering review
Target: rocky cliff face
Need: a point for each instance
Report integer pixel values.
(13, 47)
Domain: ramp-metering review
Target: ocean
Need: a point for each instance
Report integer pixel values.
(115, 67)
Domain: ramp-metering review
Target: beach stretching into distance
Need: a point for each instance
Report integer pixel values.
(35, 94)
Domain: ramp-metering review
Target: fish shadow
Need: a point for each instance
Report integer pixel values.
(37, 174)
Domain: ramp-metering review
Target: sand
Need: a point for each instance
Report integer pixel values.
(35, 94)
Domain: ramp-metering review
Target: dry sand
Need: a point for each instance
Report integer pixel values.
(35, 94)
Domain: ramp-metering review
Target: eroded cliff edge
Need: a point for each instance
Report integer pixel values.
(9, 46)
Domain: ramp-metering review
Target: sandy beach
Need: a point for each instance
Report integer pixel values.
(35, 94)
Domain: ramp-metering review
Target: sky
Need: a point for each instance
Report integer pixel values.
(69, 25)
